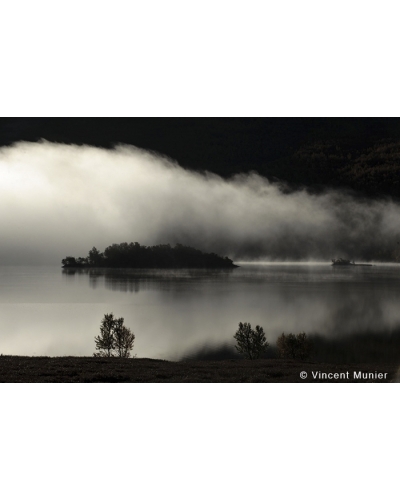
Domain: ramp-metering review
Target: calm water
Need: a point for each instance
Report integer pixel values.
(175, 313)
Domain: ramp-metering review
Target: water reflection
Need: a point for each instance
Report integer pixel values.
(181, 312)
(134, 280)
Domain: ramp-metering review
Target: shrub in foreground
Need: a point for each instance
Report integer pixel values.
(251, 343)
(115, 339)
(294, 346)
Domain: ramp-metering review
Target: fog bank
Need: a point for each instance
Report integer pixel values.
(58, 200)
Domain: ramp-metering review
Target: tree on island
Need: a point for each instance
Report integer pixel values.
(69, 262)
(95, 258)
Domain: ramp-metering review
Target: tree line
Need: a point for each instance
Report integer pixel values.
(116, 340)
(134, 255)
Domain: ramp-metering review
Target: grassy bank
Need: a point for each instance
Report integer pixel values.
(90, 369)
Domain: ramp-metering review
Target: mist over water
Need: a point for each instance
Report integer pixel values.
(58, 200)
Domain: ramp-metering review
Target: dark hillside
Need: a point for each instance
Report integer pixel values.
(373, 170)
(358, 153)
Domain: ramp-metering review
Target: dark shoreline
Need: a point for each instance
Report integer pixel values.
(135, 256)
(97, 268)
(25, 369)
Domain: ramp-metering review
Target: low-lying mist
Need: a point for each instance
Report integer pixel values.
(58, 200)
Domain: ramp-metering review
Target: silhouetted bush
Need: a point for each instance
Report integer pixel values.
(294, 346)
(115, 339)
(251, 343)
(69, 262)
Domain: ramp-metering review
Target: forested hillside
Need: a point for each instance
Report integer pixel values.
(372, 169)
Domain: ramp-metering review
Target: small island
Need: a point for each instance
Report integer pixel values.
(134, 255)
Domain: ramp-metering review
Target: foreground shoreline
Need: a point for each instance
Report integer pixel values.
(25, 369)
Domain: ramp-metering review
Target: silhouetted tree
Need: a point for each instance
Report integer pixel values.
(69, 262)
(115, 339)
(294, 346)
(95, 258)
(105, 342)
(251, 343)
(124, 339)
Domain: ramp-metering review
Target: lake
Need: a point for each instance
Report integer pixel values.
(177, 314)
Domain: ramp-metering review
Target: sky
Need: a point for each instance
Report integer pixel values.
(58, 200)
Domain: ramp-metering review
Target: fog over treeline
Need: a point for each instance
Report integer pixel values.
(58, 200)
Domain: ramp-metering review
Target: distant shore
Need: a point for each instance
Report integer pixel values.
(14, 369)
